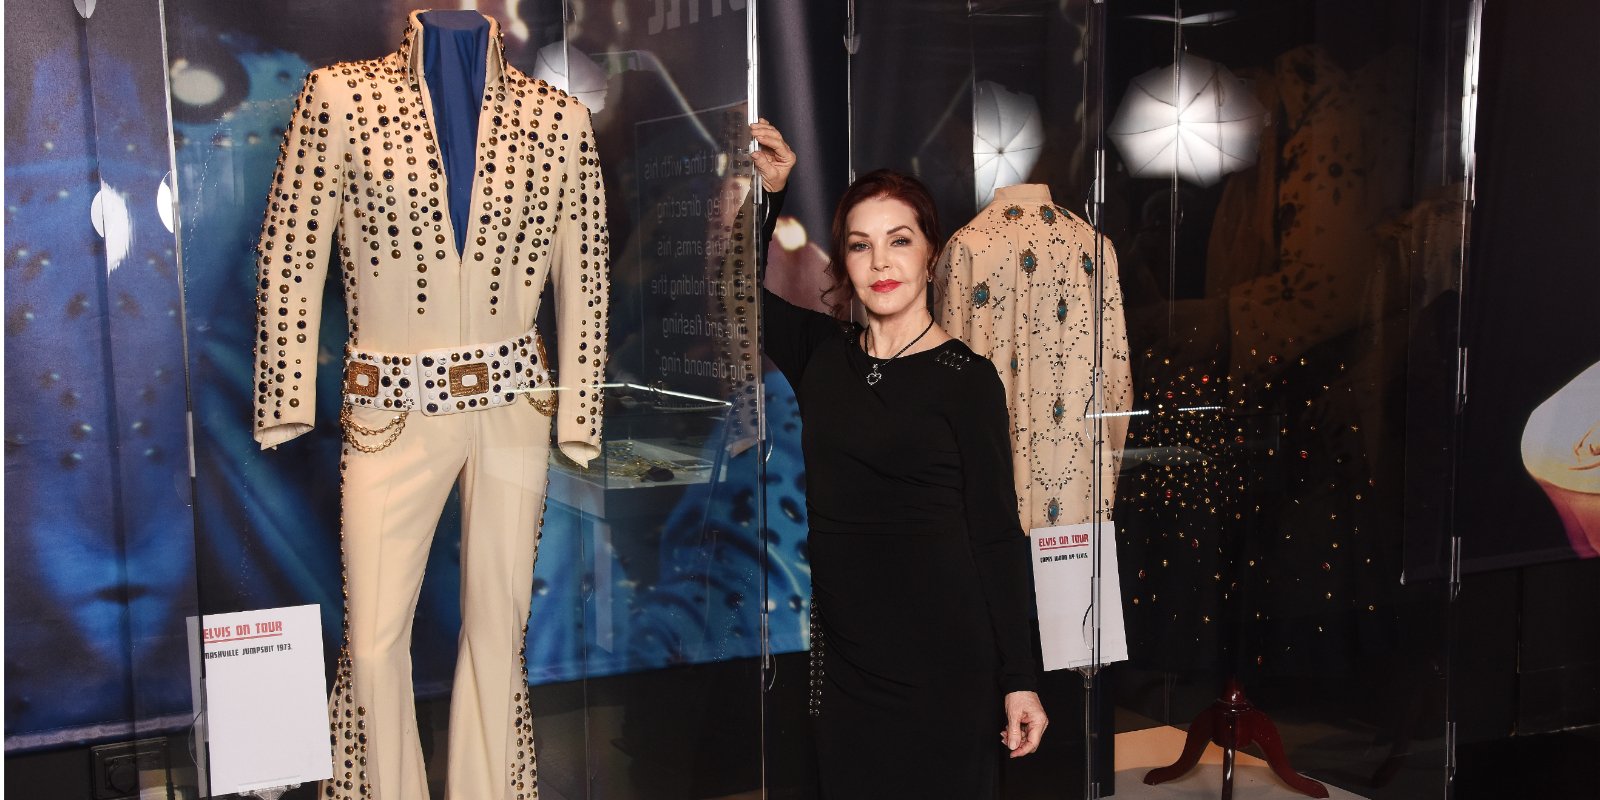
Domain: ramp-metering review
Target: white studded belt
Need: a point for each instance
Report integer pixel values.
(450, 380)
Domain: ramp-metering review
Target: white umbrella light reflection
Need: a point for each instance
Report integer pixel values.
(1007, 138)
(587, 80)
(1193, 117)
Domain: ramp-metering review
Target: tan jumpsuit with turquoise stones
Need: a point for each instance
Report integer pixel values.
(1019, 288)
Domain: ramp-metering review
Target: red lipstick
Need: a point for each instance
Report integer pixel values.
(884, 286)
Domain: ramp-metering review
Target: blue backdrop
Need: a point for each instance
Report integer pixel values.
(99, 544)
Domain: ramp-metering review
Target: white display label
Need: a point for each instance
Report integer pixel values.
(1062, 585)
(266, 720)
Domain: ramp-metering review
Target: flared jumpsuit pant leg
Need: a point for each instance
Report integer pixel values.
(391, 503)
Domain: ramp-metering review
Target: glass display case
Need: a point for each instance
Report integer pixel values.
(1269, 194)
(642, 644)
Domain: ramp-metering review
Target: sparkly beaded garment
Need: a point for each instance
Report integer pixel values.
(1019, 289)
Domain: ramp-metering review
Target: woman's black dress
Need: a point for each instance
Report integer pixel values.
(922, 590)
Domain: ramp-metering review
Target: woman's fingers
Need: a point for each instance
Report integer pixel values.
(1025, 724)
(770, 138)
(1034, 732)
(774, 145)
(1028, 742)
(765, 164)
(774, 159)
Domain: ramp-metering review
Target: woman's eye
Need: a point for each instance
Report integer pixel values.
(858, 246)
(902, 241)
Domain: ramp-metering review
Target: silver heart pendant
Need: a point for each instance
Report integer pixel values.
(873, 377)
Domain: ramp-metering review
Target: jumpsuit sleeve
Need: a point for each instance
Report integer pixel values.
(955, 267)
(999, 547)
(297, 237)
(1116, 377)
(579, 271)
(791, 333)
(966, 277)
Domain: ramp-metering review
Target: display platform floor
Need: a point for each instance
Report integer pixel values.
(609, 768)
(1140, 751)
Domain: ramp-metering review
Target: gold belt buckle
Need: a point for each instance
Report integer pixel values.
(459, 374)
(355, 372)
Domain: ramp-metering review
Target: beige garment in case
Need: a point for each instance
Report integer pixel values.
(360, 168)
(1019, 287)
(360, 173)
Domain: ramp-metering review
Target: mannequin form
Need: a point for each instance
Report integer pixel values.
(449, 215)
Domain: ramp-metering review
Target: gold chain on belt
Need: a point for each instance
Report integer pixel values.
(351, 427)
(398, 426)
(546, 407)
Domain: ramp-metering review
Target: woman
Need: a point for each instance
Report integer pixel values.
(921, 645)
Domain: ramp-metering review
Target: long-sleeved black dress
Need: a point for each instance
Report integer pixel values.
(922, 590)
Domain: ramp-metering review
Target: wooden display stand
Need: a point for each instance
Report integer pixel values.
(1233, 723)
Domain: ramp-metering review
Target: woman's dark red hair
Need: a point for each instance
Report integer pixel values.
(875, 184)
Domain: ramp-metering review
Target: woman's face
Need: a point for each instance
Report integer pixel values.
(887, 257)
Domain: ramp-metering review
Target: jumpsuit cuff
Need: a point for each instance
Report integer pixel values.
(275, 435)
(581, 452)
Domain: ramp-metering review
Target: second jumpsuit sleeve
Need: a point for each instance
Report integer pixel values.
(999, 546)
(581, 266)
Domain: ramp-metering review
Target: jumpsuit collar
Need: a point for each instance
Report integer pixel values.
(411, 52)
(1023, 193)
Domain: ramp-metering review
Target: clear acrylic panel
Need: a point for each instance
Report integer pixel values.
(640, 665)
(1284, 184)
(1261, 369)
(669, 518)
(993, 105)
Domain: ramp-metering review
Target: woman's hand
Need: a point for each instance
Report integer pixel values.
(1025, 723)
(774, 160)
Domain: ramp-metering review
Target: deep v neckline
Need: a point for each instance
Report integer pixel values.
(447, 66)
